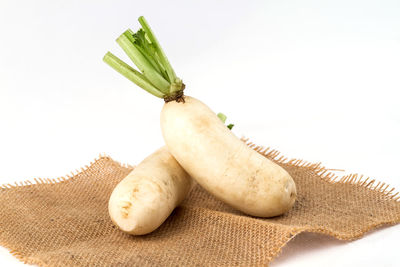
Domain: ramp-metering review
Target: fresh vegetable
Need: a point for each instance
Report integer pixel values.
(145, 198)
(198, 139)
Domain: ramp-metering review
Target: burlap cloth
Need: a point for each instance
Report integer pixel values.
(64, 222)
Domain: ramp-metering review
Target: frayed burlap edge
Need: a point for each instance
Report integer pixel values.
(318, 169)
(327, 174)
(65, 178)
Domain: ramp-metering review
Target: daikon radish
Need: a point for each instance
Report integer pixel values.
(144, 199)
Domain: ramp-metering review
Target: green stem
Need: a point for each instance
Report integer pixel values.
(163, 58)
(143, 64)
(129, 34)
(132, 74)
(156, 73)
(223, 118)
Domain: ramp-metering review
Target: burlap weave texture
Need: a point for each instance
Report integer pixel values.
(64, 222)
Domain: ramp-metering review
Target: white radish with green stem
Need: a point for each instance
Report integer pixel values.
(209, 152)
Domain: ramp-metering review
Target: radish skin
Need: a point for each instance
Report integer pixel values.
(222, 164)
(144, 199)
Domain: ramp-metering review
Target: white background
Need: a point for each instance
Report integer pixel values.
(317, 80)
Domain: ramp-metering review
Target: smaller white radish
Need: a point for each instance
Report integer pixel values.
(145, 198)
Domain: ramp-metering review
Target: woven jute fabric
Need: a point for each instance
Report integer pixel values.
(65, 222)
